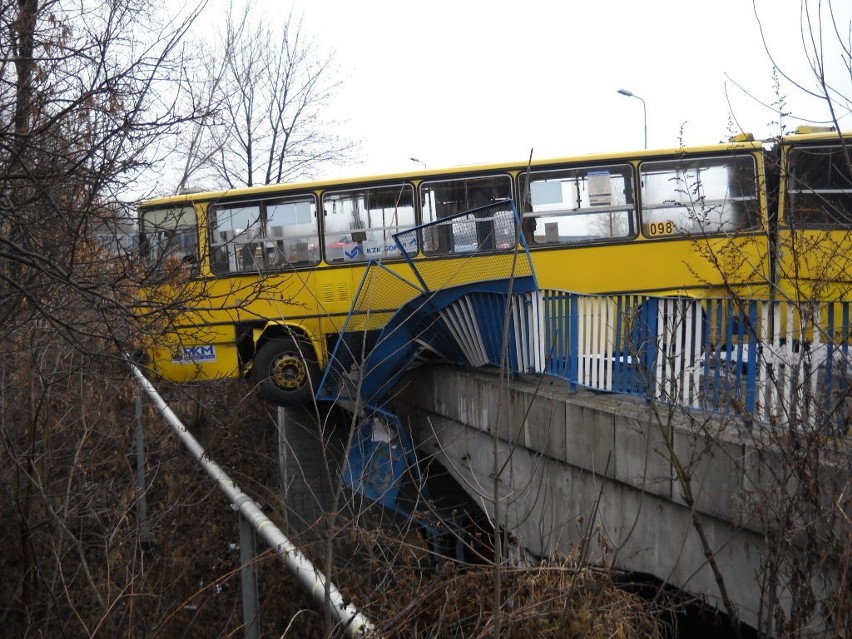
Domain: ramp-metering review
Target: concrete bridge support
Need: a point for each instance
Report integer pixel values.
(310, 449)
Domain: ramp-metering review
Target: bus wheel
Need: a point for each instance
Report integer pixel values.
(286, 372)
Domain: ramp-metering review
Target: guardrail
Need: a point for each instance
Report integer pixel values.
(773, 362)
(324, 593)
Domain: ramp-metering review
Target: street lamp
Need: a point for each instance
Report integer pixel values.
(419, 162)
(630, 94)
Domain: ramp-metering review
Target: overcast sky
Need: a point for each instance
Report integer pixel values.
(465, 81)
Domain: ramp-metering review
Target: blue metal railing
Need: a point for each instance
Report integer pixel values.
(766, 361)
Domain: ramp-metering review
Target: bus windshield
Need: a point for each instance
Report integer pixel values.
(169, 239)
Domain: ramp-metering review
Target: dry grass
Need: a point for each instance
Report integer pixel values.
(415, 597)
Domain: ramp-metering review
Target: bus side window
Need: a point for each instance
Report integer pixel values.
(234, 231)
(488, 231)
(253, 237)
(360, 224)
(820, 186)
(169, 240)
(292, 233)
(578, 205)
(699, 196)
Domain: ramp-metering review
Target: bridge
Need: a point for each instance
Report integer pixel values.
(654, 434)
(604, 479)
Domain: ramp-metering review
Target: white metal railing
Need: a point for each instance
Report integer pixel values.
(772, 360)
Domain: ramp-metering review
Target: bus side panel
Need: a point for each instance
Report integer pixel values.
(334, 291)
(691, 265)
(815, 264)
(276, 303)
(196, 354)
(204, 344)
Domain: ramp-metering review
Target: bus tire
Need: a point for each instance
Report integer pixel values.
(285, 371)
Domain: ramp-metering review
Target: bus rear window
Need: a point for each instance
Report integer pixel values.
(819, 186)
(169, 239)
(699, 196)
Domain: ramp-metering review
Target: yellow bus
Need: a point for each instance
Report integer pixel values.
(259, 281)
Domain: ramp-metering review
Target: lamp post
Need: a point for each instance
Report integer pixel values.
(630, 94)
(419, 162)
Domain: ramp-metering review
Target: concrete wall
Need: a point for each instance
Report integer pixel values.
(593, 473)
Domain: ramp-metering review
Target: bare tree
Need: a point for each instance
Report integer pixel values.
(266, 89)
(811, 74)
(82, 111)
(83, 103)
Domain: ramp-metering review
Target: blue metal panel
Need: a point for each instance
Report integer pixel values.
(380, 456)
(490, 313)
(561, 340)
(751, 363)
(573, 340)
(374, 467)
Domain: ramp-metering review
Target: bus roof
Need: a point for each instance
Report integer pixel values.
(421, 174)
(816, 134)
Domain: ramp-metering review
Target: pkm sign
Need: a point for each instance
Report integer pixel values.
(192, 354)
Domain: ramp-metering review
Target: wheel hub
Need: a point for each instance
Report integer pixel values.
(289, 372)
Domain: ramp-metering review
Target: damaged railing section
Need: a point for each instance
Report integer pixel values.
(459, 308)
(466, 326)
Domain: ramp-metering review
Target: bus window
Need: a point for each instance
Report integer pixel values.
(589, 204)
(272, 235)
(820, 186)
(236, 238)
(360, 223)
(699, 196)
(169, 239)
(291, 231)
(493, 229)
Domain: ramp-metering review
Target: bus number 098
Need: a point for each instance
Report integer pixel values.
(661, 228)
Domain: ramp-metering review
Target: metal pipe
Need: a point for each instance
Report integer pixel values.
(248, 578)
(142, 482)
(311, 578)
